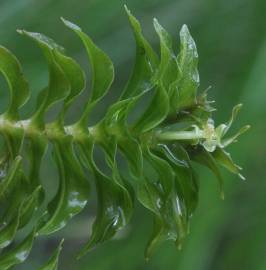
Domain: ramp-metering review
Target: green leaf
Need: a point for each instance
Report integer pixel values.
(29, 206)
(59, 86)
(224, 159)
(115, 121)
(114, 203)
(8, 232)
(168, 71)
(52, 263)
(18, 86)
(155, 113)
(143, 79)
(75, 76)
(18, 254)
(167, 216)
(8, 183)
(159, 235)
(162, 203)
(222, 129)
(36, 149)
(233, 138)
(185, 184)
(164, 170)
(72, 194)
(18, 191)
(102, 68)
(146, 63)
(203, 157)
(188, 62)
(13, 140)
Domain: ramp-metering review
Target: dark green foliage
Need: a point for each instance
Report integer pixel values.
(175, 129)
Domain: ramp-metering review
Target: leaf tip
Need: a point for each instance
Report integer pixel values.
(126, 8)
(155, 21)
(70, 24)
(20, 31)
(184, 29)
(242, 177)
(60, 246)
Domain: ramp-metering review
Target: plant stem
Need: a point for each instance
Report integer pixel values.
(180, 135)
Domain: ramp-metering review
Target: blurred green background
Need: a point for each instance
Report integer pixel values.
(231, 41)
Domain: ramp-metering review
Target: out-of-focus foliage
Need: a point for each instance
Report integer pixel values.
(229, 37)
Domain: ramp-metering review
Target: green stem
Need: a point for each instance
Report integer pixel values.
(50, 132)
(180, 135)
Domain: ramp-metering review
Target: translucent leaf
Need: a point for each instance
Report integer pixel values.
(188, 61)
(59, 86)
(133, 153)
(162, 200)
(186, 187)
(75, 76)
(224, 159)
(168, 71)
(10, 180)
(203, 157)
(114, 204)
(146, 63)
(115, 121)
(29, 205)
(143, 79)
(101, 68)
(164, 170)
(159, 235)
(156, 112)
(13, 140)
(233, 139)
(19, 191)
(18, 86)
(52, 263)
(36, 149)
(18, 254)
(8, 232)
(72, 194)
(223, 128)
(167, 221)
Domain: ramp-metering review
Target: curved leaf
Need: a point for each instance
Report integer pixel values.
(52, 263)
(146, 62)
(18, 86)
(59, 86)
(72, 194)
(9, 182)
(156, 112)
(186, 187)
(188, 62)
(102, 68)
(114, 204)
(203, 157)
(75, 76)
(8, 232)
(18, 254)
(224, 158)
(168, 71)
(164, 170)
(29, 206)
